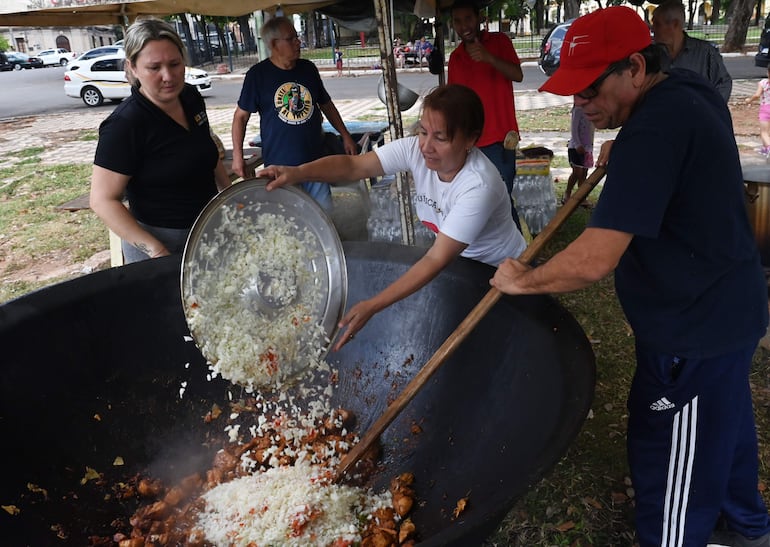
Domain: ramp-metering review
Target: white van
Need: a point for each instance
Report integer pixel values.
(57, 56)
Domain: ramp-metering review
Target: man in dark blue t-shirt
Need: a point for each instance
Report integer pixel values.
(687, 273)
(290, 98)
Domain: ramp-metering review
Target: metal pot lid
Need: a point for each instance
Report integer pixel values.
(264, 284)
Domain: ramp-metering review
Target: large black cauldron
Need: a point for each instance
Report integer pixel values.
(91, 371)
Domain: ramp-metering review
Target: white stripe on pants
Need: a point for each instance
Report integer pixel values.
(680, 463)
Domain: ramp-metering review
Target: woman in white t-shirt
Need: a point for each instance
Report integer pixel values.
(459, 193)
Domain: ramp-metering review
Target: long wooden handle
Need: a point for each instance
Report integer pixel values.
(464, 328)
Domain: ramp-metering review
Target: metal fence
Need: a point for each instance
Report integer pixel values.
(527, 47)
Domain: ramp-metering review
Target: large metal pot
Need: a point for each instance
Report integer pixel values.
(91, 371)
(757, 187)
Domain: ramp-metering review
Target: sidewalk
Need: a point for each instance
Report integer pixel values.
(62, 135)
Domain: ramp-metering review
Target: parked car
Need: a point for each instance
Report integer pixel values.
(22, 60)
(5, 64)
(550, 48)
(58, 56)
(101, 51)
(104, 78)
(97, 79)
(198, 78)
(762, 58)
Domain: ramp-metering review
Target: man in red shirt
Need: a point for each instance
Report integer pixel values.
(487, 63)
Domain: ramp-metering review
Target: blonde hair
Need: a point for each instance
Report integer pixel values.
(147, 30)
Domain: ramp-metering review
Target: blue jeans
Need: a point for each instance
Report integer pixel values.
(505, 161)
(174, 240)
(321, 192)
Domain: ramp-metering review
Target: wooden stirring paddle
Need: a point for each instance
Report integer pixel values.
(461, 332)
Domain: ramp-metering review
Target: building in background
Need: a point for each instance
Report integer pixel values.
(77, 39)
(33, 39)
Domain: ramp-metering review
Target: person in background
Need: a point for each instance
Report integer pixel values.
(290, 97)
(425, 48)
(156, 148)
(338, 60)
(580, 149)
(687, 272)
(763, 94)
(487, 63)
(684, 51)
(398, 53)
(687, 52)
(459, 193)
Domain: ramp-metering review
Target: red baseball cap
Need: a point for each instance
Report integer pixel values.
(593, 42)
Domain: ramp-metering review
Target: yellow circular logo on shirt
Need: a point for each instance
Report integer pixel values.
(294, 103)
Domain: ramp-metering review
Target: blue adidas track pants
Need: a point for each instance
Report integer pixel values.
(692, 449)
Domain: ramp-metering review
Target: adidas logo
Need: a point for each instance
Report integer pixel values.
(662, 404)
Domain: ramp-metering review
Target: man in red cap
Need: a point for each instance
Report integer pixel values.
(687, 273)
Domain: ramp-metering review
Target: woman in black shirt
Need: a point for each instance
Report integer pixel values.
(155, 149)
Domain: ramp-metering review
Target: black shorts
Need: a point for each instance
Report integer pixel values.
(576, 158)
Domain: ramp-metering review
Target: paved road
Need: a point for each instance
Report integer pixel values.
(34, 92)
(58, 133)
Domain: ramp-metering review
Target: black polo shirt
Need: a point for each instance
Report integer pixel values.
(171, 168)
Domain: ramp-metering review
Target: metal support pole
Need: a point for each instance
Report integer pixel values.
(439, 26)
(394, 115)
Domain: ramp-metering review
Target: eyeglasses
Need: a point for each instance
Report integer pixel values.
(290, 38)
(593, 90)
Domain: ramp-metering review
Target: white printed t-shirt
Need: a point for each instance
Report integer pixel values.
(473, 208)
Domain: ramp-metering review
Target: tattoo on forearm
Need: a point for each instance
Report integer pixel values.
(142, 247)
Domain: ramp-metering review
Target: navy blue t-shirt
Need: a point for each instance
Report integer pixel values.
(288, 103)
(690, 282)
(171, 168)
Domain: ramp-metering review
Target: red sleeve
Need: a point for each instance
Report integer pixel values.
(502, 47)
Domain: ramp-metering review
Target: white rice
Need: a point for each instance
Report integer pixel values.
(289, 506)
(255, 309)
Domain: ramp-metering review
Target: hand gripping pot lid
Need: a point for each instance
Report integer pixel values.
(593, 42)
(264, 283)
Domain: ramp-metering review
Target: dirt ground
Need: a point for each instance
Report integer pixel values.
(745, 121)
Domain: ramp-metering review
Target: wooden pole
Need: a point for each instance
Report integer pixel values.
(394, 115)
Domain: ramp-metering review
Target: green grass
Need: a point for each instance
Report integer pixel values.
(547, 119)
(32, 230)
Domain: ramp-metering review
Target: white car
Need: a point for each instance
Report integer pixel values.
(101, 51)
(58, 56)
(104, 77)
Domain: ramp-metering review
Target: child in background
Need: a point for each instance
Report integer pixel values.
(763, 94)
(338, 60)
(580, 149)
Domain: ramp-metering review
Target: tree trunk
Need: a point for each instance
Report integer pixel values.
(320, 30)
(310, 29)
(539, 12)
(571, 9)
(738, 25)
(690, 14)
(249, 43)
(192, 50)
